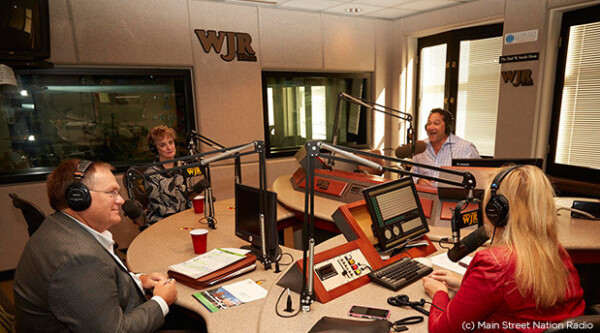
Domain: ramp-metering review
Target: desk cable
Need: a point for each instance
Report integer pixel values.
(204, 220)
(403, 300)
(575, 210)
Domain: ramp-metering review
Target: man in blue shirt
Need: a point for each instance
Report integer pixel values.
(442, 146)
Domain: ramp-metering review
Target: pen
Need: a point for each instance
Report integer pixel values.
(463, 264)
(168, 280)
(186, 228)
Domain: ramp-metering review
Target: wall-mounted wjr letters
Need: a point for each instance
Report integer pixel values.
(238, 44)
(518, 78)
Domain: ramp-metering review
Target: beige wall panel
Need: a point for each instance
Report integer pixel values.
(135, 32)
(455, 17)
(223, 182)
(518, 107)
(384, 78)
(228, 94)
(62, 47)
(348, 43)
(290, 39)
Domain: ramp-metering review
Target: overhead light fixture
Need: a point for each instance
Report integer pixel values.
(353, 10)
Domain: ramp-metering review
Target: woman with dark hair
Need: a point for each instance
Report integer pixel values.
(166, 191)
(526, 280)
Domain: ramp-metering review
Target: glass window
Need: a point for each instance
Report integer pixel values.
(574, 147)
(459, 71)
(97, 114)
(300, 107)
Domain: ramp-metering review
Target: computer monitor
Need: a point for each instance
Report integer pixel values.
(496, 162)
(396, 213)
(247, 223)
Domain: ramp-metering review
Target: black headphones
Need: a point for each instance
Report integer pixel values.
(448, 120)
(153, 148)
(78, 196)
(497, 207)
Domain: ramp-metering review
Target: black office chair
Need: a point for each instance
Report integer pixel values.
(136, 190)
(32, 213)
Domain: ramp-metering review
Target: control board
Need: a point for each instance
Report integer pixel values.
(336, 184)
(341, 269)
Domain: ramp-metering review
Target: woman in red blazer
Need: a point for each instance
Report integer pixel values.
(525, 281)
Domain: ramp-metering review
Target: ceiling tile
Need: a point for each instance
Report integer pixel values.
(423, 5)
(364, 9)
(391, 13)
(310, 5)
(380, 3)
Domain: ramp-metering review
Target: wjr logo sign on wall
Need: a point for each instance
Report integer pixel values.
(238, 44)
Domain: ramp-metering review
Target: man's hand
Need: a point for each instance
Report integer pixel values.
(166, 290)
(425, 182)
(151, 280)
(451, 279)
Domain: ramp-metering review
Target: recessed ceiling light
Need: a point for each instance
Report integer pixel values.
(353, 10)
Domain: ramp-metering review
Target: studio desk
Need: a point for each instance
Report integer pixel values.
(165, 243)
(581, 238)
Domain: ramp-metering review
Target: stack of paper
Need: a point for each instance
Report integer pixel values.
(209, 262)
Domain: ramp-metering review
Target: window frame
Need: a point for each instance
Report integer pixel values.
(365, 125)
(576, 17)
(40, 173)
(452, 39)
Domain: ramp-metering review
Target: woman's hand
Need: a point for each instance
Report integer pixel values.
(450, 279)
(432, 286)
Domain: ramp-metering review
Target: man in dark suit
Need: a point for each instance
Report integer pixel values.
(68, 277)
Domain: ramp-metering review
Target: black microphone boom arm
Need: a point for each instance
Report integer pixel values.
(371, 106)
(195, 136)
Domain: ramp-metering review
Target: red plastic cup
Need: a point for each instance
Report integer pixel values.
(199, 240)
(198, 202)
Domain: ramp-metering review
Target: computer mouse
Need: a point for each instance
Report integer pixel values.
(424, 261)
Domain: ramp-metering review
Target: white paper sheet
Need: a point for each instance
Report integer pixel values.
(246, 290)
(459, 267)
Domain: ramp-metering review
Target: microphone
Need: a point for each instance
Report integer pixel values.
(134, 211)
(406, 150)
(468, 244)
(199, 187)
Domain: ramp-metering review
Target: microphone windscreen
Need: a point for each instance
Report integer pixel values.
(201, 185)
(420, 146)
(405, 151)
(131, 209)
(468, 244)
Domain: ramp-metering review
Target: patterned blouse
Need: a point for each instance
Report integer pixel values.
(166, 193)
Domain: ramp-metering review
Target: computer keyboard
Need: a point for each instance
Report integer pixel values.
(400, 273)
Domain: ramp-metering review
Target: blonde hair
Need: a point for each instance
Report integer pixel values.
(531, 235)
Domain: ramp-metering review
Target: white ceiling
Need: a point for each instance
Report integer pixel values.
(383, 9)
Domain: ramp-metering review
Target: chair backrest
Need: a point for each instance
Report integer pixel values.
(32, 213)
(138, 190)
(7, 313)
(588, 323)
